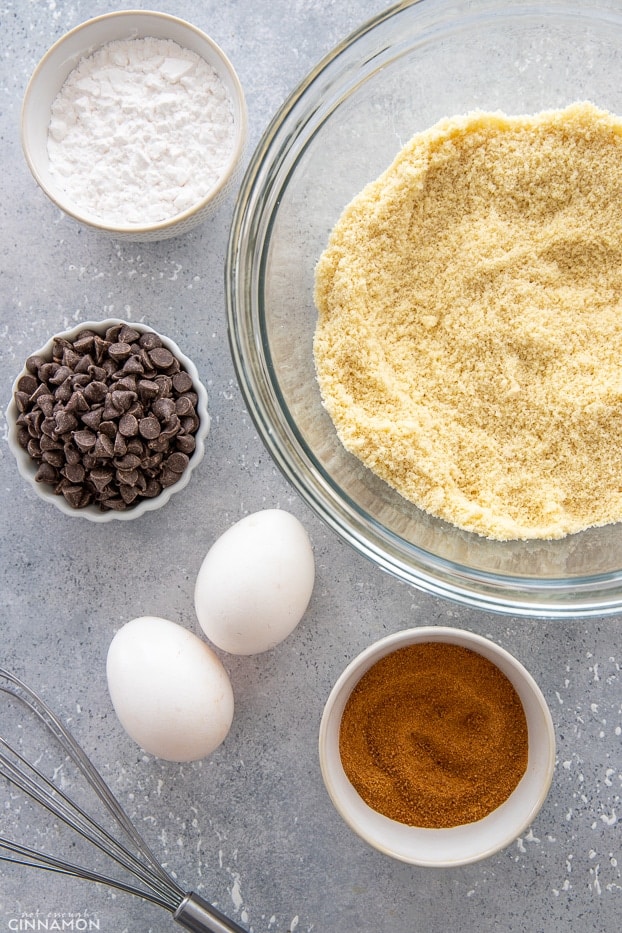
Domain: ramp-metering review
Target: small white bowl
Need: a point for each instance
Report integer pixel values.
(52, 72)
(460, 845)
(27, 467)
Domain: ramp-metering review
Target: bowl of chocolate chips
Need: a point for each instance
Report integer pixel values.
(108, 420)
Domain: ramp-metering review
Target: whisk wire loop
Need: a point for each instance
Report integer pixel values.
(48, 795)
(31, 858)
(157, 886)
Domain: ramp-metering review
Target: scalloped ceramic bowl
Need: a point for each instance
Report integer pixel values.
(398, 74)
(53, 70)
(28, 467)
(460, 845)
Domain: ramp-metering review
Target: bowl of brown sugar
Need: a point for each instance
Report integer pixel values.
(437, 747)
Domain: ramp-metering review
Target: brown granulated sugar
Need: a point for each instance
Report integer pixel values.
(469, 340)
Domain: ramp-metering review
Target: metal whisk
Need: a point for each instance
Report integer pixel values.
(152, 881)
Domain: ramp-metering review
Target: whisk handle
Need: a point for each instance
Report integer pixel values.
(199, 916)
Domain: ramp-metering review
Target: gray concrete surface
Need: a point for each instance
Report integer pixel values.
(252, 827)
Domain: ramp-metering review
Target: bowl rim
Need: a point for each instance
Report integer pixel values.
(25, 464)
(142, 229)
(560, 595)
(333, 773)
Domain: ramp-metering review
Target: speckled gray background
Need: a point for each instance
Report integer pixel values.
(252, 826)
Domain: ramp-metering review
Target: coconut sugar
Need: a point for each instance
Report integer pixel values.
(469, 340)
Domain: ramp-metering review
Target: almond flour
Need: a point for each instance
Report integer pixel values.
(469, 340)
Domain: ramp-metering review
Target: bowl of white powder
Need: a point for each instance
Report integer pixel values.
(134, 124)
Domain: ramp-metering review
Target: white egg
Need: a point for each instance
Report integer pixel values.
(169, 689)
(255, 582)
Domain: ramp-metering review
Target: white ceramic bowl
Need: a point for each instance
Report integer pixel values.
(28, 467)
(442, 848)
(52, 72)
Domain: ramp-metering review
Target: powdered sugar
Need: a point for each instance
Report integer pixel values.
(140, 131)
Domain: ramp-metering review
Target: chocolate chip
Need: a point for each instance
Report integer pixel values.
(70, 358)
(108, 428)
(165, 385)
(110, 367)
(122, 399)
(84, 344)
(171, 427)
(23, 436)
(74, 495)
(128, 425)
(163, 408)
(46, 404)
(127, 477)
(34, 448)
(100, 348)
(182, 382)
(47, 442)
(152, 489)
(168, 478)
(149, 340)
(97, 373)
(127, 382)
(34, 363)
(177, 462)
(101, 478)
(27, 384)
(185, 443)
(129, 494)
(128, 462)
(48, 426)
(21, 400)
(61, 373)
(104, 447)
(149, 427)
(134, 365)
(128, 334)
(114, 504)
(40, 392)
(72, 454)
(84, 364)
(113, 332)
(55, 457)
(147, 389)
(161, 357)
(96, 391)
(119, 352)
(85, 440)
(183, 406)
(46, 473)
(74, 472)
(136, 446)
(110, 412)
(190, 424)
(65, 421)
(93, 418)
(77, 402)
(47, 370)
(120, 445)
(64, 391)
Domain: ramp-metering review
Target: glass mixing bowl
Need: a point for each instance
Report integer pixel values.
(398, 74)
